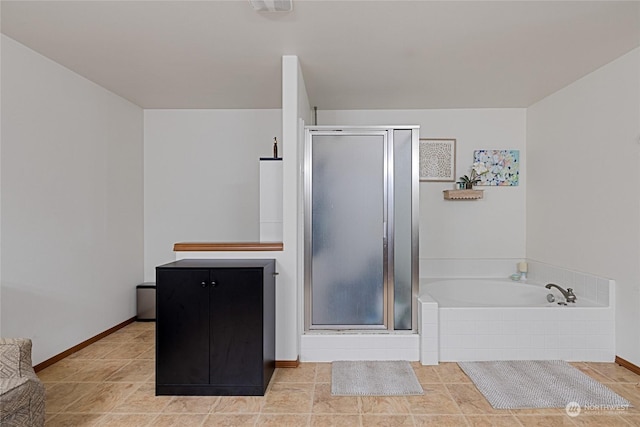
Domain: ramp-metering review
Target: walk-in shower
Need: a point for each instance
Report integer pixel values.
(361, 228)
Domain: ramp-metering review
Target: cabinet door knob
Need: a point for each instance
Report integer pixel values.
(214, 284)
(204, 284)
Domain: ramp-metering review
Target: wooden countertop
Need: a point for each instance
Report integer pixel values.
(227, 246)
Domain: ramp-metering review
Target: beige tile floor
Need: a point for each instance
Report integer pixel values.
(111, 383)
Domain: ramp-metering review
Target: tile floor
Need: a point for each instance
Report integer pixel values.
(111, 383)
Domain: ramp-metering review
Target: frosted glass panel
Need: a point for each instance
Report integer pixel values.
(402, 229)
(347, 230)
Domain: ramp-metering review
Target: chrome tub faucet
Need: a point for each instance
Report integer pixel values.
(568, 295)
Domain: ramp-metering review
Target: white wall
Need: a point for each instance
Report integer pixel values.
(295, 111)
(481, 237)
(201, 177)
(72, 212)
(295, 106)
(583, 203)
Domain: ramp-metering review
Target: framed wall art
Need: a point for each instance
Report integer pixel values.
(437, 159)
(503, 167)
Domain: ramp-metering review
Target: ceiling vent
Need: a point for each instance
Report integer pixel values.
(272, 5)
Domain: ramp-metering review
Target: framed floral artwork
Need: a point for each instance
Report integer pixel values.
(437, 159)
(503, 167)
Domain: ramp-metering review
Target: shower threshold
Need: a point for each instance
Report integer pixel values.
(328, 346)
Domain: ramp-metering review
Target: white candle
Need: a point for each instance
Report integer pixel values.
(522, 267)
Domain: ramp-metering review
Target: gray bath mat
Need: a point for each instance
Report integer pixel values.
(373, 378)
(522, 384)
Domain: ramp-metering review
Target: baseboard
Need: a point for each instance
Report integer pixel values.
(288, 363)
(83, 344)
(626, 364)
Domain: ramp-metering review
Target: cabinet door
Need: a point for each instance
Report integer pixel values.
(182, 354)
(236, 327)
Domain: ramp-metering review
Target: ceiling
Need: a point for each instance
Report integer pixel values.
(354, 54)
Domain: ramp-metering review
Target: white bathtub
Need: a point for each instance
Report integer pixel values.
(495, 293)
(498, 319)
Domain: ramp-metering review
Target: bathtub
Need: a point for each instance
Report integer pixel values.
(495, 293)
(499, 319)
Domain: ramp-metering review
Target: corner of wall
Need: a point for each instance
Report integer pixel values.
(288, 341)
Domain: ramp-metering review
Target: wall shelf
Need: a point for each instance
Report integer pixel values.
(463, 194)
(227, 246)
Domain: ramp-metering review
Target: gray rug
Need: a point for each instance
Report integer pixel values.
(373, 378)
(522, 384)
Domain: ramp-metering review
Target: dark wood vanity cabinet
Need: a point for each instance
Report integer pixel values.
(215, 327)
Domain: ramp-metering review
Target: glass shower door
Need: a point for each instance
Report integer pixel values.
(348, 245)
(401, 241)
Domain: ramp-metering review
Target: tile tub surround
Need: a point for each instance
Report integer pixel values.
(111, 383)
(594, 288)
(428, 318)
(506, 333)
(573, 334)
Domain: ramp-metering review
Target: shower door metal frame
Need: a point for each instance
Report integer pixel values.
(388, 228)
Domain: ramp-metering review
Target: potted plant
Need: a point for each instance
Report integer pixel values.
(477, 170)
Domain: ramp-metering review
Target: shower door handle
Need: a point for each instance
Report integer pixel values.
(384, 233)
